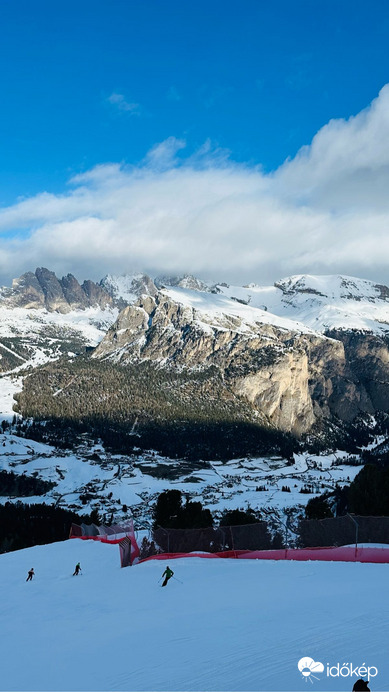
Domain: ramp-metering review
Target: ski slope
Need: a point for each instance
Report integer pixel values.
(230, 625)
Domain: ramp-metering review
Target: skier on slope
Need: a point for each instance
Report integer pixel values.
(31, 574)
(77, 570)
(168, 573)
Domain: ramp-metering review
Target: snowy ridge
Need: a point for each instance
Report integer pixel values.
(318, 303)
(127, 288)
(216, 307)
(321, 302)
(121, 286)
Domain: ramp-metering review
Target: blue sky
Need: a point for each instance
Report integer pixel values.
(85, 84)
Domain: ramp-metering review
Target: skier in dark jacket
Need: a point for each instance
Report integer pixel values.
(77, 570)
(31, 574)
(168, 573)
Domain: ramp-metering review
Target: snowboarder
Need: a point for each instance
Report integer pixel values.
(31, 574)
(168, 573)
(77, 570)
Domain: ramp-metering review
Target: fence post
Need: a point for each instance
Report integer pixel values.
(356, 533)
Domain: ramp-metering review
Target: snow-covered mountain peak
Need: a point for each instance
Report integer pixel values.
(333, 287)
(188, 281)
(127, 288)
(322, 303)
(214, 309)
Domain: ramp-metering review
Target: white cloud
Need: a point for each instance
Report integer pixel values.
(347, 163)
(325, 211)
(119, 101)
(163, 155)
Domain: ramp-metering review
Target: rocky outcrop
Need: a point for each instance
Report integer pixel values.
(366, 382)
(26, 292)
(74, 294)
(42, 289)
(96, 295)
(55, 300)
(291, 377)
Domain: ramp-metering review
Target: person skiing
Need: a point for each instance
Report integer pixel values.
(168, 573)
(77, 570)
(31, 574)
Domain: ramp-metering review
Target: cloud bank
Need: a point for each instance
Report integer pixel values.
(325, 211)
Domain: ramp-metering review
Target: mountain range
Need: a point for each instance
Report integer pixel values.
(122, 387)
(306, 350)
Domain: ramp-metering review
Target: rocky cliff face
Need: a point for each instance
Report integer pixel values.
(293, 378)
(42, 289)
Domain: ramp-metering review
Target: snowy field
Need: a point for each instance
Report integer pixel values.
(230, 625)
(113, 481)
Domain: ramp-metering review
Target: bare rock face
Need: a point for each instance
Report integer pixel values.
(367, 373)
(96, 295)
(42, 289)
(55, 300)
(292, 378)
(287, 376)
(26, 292)
(73, 293)
(282, 392)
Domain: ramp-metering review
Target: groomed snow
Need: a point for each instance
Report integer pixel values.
(230, 625)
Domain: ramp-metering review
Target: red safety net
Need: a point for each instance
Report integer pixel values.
(122, 535)
(339, 554)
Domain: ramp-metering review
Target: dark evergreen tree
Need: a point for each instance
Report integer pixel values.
(170, 513)
(22, 526)
(193, 516)
(369, 491)
(167, 508)
(237, 517)
(318, 508)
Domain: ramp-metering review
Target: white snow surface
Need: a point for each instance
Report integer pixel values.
(215, 308)
(91, 322)
(122, 286)
(320, 302)
(231, 625)
(231, 485)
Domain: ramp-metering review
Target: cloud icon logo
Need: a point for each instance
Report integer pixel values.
(308, 667)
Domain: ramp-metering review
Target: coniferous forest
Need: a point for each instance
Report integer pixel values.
(192, 415)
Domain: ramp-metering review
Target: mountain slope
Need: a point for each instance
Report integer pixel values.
(293, 356)
(289, 373)
(321, 303)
